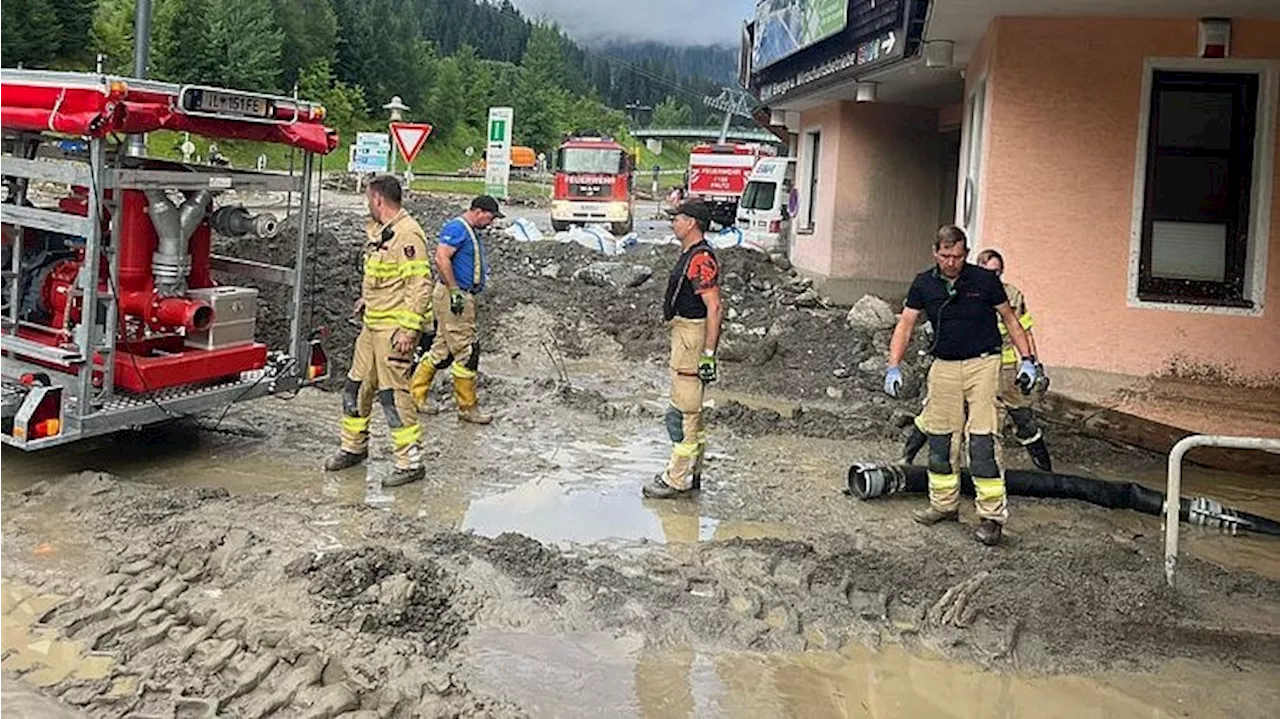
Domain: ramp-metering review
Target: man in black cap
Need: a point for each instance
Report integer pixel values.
(692, 309)
(463, 270)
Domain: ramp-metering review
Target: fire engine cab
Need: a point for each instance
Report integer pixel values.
(112, 317)
(593, 184)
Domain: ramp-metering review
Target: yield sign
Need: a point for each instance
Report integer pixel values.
(410, 137)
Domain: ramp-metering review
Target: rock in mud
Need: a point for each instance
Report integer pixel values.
(870, 313)
(613, 274)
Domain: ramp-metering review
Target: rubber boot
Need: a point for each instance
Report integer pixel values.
(343, 459)
(420, 383)
(464, 395)
(1040, 455)
(989, 532)
(930, 516)
(915, 442)
(404, 476)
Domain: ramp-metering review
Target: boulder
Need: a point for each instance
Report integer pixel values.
(870, 313)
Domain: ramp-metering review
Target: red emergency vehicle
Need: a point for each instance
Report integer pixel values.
(718, 175)
(593, 184)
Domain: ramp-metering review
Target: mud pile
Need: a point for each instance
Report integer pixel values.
(780, 336)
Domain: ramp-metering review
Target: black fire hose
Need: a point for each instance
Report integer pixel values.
(870, 480)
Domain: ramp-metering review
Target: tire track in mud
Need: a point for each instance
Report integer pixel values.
(220, 606)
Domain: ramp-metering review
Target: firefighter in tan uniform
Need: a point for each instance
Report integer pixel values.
(1011, 398)
(464, 271)
(964, 378)
(395, 298)
(692, 308)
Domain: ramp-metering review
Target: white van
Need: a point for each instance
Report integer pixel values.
(762, 211)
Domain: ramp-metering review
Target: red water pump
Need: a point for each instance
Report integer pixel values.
(166, 295)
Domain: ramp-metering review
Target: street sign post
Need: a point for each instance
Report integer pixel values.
(497, 170)
(370, 153)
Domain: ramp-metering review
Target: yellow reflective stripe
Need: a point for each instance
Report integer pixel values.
(403, 318)
(1008, 356)
(374, 267)
(943, 482)
(461, 371)
(686, 449)
(988, 489)
(355, 424)
(406, 435)
(1026, 321)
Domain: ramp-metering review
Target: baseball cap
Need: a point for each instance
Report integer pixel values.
(488, 204)
(697, 209)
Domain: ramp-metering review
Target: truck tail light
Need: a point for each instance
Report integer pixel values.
(317, 363)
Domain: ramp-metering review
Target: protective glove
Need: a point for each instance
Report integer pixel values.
(1042, 380)
(457, 302)
(1026, 375)
(707, 368)
(893, 382)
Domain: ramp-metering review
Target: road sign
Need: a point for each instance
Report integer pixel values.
(498, 152)
(410, 136)
(370, 153)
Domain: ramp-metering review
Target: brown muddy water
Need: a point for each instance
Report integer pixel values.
(596, 675)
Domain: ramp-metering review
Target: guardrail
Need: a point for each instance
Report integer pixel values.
(1173, 492)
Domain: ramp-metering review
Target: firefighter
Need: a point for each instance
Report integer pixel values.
(958, 298)
(1012, 399)
(464, 270)
(692, 309)
(395, 302)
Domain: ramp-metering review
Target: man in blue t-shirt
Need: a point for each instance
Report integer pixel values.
(462, 270)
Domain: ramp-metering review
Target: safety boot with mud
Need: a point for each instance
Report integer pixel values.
(659, 489)
(405, 475)
(1040, 455)
(989, 532)
(342, 459)
(931, 516)
(464, 395)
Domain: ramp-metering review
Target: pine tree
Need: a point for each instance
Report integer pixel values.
(31, 33)
(245, 44)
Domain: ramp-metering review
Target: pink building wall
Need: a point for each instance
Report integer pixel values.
(1057, 188)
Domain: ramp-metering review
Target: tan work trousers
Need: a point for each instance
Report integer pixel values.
(379, 372)
(953, 384)
(455, 334)
(684, 418)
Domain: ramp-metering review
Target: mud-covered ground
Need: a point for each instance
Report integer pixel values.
(189, 572)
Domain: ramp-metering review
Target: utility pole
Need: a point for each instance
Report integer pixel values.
(732, 102)
(137, 146)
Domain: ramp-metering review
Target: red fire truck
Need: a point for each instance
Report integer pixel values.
(593, 184)
(112, 315)
(718, 175)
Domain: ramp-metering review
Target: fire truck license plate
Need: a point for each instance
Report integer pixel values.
(211, 101)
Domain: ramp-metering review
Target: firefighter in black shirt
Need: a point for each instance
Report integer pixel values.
(962, 301)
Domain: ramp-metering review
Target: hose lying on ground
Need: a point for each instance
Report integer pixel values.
(870, 480)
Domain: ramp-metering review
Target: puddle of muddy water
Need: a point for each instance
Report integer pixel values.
(590, 491)
(39, 653)
(591, 676)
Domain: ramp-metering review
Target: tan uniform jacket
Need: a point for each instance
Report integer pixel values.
(397, 276)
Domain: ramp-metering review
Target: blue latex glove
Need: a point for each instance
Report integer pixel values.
(893, 381)
(1026, 375)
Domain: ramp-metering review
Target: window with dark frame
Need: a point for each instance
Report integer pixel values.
(1199, 177)
(811, 210)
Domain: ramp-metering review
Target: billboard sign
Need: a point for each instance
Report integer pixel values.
(784, 27)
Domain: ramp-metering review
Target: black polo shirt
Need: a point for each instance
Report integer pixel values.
(962, 313)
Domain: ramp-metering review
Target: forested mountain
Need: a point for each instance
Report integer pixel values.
(448, 59)
(717, 64)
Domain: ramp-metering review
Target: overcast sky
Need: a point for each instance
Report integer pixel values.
(676, 22)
